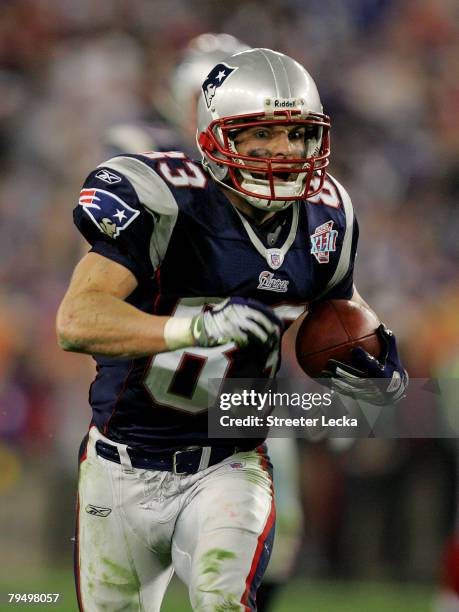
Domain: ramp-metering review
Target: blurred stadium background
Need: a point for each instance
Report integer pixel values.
(377, 514)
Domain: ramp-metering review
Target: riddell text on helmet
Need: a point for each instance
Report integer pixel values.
(283, 102)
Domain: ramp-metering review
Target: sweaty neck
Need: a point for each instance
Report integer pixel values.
(257, 215)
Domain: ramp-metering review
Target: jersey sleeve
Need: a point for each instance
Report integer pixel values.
(126, 213)
(340, 284)
(344, 288)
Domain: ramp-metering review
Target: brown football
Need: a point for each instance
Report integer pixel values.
(331, 330)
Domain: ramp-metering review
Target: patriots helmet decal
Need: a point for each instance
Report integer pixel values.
(107, 211)
(216, 77)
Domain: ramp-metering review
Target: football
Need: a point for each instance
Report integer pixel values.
(331, 330)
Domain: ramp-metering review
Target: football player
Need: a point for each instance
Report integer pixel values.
(175, 121)
(194, 282)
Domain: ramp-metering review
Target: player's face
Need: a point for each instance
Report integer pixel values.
(274, 141)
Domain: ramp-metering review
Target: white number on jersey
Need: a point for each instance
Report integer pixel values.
(190, 175)
(328, 195)
(181, 379)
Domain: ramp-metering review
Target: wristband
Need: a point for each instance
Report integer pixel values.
(177, 333)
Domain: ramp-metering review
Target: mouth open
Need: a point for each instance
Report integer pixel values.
(280, 176)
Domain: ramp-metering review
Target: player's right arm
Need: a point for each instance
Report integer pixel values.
(127, 213)
(95, 318)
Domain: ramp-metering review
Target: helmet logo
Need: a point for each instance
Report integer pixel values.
(216, 77)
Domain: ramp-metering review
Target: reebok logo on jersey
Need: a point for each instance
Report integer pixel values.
(216, 77)
(267, 281)
(323, 242)
(98, 510)
(108, 177)
(107, 211)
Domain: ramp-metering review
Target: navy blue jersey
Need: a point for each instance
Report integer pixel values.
(163, 218)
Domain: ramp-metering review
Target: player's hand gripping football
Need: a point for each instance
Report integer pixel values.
(382, 381)
(239, 320)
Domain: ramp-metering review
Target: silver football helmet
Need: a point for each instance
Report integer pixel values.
(260, 87)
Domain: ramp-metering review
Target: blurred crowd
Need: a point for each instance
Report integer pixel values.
(69, 70)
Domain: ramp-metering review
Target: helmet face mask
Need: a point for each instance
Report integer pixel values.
(270, 183)
(272, 179)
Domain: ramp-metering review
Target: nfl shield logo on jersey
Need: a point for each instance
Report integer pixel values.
(107, 211)
(323, 242)
(216, 77)
(275, 258)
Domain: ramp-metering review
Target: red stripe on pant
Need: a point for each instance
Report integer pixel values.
(261, 538)
(76, 560)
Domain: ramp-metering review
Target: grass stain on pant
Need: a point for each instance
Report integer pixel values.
(212, 560)
(211, 567)
(129, 584)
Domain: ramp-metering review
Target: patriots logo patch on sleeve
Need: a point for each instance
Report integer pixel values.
(216, 77)
(107, 211)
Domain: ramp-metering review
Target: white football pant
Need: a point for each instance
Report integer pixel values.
(135, 527)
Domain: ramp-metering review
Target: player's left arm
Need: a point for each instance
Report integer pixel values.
(379, 380)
